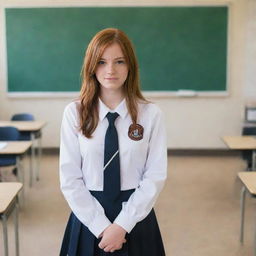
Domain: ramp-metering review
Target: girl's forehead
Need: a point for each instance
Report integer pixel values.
(113, 51)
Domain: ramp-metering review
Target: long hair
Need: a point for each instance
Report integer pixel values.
(90, 89)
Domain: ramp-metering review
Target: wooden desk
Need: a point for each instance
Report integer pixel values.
(8, 204)
(25, 126)
(33, 127)
(249, 184)
(17, 148)
(242, 143)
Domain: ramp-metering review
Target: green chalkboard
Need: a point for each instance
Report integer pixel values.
(177, 47)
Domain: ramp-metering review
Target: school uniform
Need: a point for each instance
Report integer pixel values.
(143, 167)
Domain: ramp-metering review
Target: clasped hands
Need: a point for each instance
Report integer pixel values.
(112, 238)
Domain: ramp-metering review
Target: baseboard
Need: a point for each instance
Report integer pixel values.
(176, 152)
(51, 151)
(203, 152)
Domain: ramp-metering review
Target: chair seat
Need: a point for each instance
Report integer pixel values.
(7, 161)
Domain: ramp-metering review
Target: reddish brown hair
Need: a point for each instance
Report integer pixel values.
(90, 90)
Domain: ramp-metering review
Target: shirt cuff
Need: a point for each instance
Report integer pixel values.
(125, 221)
(99, 224)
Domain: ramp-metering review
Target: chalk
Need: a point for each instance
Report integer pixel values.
(186, 93)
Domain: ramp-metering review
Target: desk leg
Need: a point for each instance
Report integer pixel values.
(254, 160)
(16, 222)
(21, 176)
(5, 233)
(242, 203)
(30, 167)
(39, 157)
(33, 159)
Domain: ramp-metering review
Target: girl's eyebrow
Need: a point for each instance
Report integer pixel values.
(114, 58)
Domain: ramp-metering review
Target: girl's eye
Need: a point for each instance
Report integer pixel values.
(101, 62)
(120, 62)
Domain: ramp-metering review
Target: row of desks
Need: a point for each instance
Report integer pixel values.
(248, 179)
(9, 191)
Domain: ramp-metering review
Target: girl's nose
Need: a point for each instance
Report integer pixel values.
(111, 69)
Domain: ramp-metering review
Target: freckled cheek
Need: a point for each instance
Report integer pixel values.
(125, 73)
(99, 74)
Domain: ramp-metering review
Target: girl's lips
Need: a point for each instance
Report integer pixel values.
(111, 78)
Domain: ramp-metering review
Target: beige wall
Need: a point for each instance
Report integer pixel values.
(250, 76)
(191, 122)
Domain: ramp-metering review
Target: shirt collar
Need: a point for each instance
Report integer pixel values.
(121, 109)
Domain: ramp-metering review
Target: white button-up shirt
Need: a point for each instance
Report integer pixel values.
(143, 164)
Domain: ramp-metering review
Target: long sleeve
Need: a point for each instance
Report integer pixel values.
(143, 199)
(86, 208)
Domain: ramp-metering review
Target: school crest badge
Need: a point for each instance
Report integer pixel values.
(135, 132)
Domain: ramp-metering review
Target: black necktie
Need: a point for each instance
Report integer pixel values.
(111, 159)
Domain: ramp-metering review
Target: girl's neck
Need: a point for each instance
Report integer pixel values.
(111, 99)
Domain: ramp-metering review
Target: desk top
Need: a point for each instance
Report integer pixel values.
(29, 126)
(15, 147)
(249, 180)
(8, 191)
(240, 142)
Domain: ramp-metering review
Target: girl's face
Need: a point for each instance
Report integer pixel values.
(112, 70)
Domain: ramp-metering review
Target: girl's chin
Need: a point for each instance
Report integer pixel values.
(111, 88)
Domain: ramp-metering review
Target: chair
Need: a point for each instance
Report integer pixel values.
(247, 154)
(9, 133)
(23, 117)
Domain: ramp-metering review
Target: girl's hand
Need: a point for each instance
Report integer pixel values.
(113, 238)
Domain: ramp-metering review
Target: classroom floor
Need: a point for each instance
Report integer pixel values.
(198, 210)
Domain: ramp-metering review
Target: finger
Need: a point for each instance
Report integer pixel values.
(118, 247)
(101, 245)
(108, 248)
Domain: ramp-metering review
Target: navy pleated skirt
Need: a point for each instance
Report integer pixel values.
(144, 240)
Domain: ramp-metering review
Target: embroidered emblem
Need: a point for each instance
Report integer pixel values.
(135, 132)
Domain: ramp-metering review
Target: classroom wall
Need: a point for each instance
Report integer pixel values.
(250, 78)
(192, 123)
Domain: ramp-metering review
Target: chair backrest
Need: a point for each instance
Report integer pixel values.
(249, 131)
(9, 133)
(23, 117)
